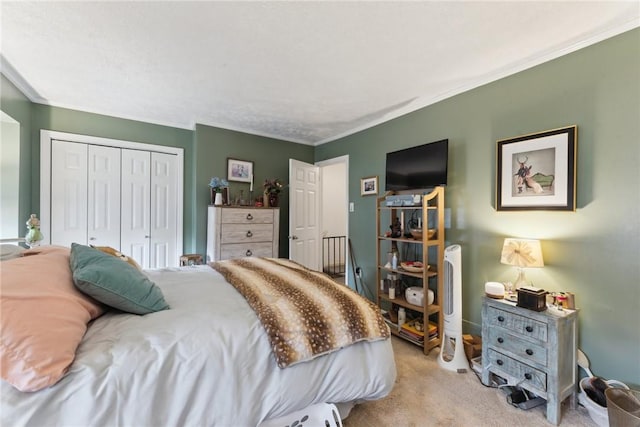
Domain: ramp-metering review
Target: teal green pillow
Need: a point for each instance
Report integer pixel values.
(113, 282)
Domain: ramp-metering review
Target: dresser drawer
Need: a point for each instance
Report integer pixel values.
(239, 250)
(519, 371)
(500, 339)
(244, 233)
(516, 323)
(247, 216)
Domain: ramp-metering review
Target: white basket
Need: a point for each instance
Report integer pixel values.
(319, 415)
(597, 413)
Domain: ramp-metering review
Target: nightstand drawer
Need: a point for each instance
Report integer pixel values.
(239, 250)
(519, 324)
(500, 339)
(246, 216)
(243, 233)
(519, 371)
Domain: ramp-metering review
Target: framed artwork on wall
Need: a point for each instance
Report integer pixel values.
(239, 170)
(537, 171)
(369, 186)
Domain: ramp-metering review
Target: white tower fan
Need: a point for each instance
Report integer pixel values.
(452, 355)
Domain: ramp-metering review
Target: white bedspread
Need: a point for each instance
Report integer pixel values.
(204, 362)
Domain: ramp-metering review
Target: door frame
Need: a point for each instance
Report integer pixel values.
(46, 138)
(321, 164)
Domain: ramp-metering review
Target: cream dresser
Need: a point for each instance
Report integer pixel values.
(534, 350)
(234, 232)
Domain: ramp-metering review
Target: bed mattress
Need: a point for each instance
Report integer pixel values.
(205, 362)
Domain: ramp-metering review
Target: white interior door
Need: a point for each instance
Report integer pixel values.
(163, 210)
(103, 197)
(136, 202)
(69, 185)
(304, 214)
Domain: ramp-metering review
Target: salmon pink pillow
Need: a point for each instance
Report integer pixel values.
(44, 318)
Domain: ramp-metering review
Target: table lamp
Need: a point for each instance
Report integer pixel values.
(521, 253)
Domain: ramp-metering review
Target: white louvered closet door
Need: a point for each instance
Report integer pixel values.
(136, 199)
(163, 210)
(69, 193)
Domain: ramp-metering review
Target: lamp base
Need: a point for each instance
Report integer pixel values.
(521, 280)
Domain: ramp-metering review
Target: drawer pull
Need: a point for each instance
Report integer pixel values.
(500, 340)
(500, 318)
(248, 253)
(249, 233)
(529, 352)
(529, 329)
(499, 362)
(528, 376)
(249, 217)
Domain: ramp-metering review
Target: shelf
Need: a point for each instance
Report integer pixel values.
(407, 207)
(432, 242)
(430, 273)
(431, 253)
(401, 301)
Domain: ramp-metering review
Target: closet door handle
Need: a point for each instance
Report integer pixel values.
(248, 253)
(529, 329)
(500, 319)
(529, 352)
(249, 233)
(249, 217)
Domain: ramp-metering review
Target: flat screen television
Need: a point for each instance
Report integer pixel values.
(424, 166)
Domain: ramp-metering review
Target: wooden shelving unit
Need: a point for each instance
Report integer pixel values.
(430, 251)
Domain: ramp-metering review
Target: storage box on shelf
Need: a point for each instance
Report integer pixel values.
(425, 247)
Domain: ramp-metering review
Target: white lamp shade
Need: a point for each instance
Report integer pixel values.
(522, 253)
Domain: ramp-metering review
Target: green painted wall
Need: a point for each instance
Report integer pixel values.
(18, 106)
(594, 252)
(270, 159)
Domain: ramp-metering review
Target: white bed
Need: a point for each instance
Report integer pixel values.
(204, 362)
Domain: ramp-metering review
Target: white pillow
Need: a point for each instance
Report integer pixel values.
(9, 251)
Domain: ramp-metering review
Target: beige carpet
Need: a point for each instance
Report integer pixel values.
(427, 395)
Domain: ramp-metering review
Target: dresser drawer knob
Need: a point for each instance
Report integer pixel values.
(528, 376)
(529, 352)
(500, 318)
(499, 362)
(249, 233)
(248, 253)
(529, 329)
(249, 217)
(500, 340)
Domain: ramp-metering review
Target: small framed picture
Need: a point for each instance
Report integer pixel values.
(537, 171)
(239, 170)
(369, 186)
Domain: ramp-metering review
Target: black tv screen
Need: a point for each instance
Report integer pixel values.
(424, 166)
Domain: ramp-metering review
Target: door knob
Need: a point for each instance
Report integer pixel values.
(293, 237)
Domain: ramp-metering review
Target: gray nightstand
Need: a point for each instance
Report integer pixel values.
(536, 350)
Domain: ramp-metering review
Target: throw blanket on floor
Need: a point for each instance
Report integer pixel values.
(304, 312)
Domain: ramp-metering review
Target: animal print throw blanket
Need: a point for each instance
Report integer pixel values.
(304, 312)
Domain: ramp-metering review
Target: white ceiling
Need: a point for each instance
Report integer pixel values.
(302, 71)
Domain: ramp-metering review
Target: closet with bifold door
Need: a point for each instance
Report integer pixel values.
(104, 195)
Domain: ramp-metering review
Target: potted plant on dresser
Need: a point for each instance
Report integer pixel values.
(272, 188)
(218, 187)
